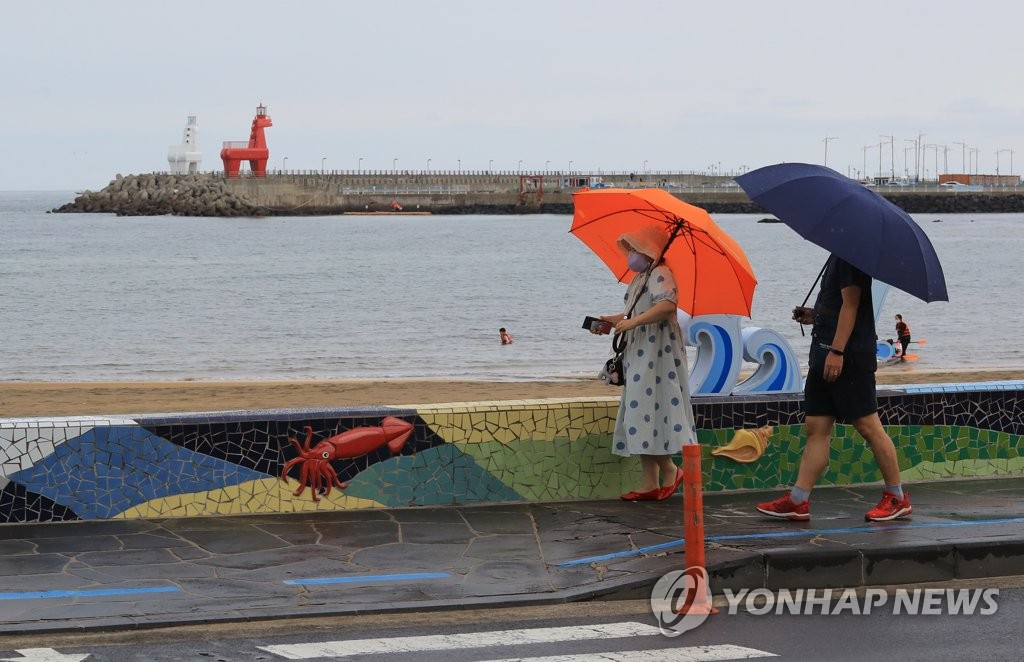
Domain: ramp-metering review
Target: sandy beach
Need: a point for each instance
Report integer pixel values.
(24, 399)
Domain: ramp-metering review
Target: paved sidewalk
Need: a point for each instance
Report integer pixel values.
(143, 573)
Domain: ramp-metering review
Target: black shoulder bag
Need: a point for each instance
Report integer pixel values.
(613, 372)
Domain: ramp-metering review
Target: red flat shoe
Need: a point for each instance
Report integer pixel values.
(666, 492)
(651, 495)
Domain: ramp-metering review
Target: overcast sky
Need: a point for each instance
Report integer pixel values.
(92, 89)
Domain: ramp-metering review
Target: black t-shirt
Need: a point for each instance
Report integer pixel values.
(839, 274)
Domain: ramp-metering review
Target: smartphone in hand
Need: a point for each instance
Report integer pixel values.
(595, 325)
(803, 314)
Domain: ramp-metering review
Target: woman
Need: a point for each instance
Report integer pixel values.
(655, 415)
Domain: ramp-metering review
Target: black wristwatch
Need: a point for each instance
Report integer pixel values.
(832, 349)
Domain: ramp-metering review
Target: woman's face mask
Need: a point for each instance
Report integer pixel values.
(638, 261)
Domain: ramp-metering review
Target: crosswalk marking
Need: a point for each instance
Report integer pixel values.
(455, 641)
(44, 655)
(688, 654)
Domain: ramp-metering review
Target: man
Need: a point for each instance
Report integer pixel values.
(903, 335)
(840, 386)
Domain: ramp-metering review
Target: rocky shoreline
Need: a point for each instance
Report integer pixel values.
(162, 195)
(212, 195)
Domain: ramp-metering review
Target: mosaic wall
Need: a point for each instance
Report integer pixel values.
(299, 460)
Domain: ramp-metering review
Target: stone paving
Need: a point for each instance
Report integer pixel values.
(127, 574)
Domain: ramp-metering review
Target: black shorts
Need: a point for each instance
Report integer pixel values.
(848, 398)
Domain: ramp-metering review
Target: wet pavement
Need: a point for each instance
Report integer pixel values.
(79, 576)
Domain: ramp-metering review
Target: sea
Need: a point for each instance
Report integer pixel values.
(95, 297)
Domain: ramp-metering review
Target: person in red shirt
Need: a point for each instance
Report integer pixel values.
(506, 338)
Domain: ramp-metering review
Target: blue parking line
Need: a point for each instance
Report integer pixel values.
(367, 578)
(28, 595)
(792, 534)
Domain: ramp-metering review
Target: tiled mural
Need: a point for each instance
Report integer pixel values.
(241, 463)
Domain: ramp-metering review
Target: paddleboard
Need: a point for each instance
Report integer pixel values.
(896, 359)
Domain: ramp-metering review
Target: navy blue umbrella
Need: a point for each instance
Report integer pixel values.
(850, 220)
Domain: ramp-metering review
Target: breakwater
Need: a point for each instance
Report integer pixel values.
(160, 195)
(323, 194)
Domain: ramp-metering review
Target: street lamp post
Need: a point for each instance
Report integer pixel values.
(934, 148)
(490, 163)
(917, 155)
(520, 166)
(322, 164)
(394, 164)
(570, 166)
(428, 165)
(284, 164)
(826, 140)
(892, 155)
(359, 168)
(864, 155)
(963, 155)
(546, 164)
(998, 152)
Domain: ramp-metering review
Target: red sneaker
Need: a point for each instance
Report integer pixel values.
(784, 508)
(890, 507)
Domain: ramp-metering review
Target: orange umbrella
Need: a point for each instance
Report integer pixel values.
(712, 273)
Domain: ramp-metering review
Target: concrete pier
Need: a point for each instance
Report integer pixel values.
(335, 193)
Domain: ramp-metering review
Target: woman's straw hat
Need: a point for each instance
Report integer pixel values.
(648, 239)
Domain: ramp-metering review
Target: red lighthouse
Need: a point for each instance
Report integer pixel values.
(255, 151)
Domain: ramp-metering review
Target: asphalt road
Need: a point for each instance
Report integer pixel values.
(614, 630)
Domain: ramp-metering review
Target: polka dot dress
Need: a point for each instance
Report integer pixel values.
(655, 414)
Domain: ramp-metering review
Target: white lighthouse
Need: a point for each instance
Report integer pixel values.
(186, 157)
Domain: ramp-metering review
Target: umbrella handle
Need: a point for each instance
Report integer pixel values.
(815, 284)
